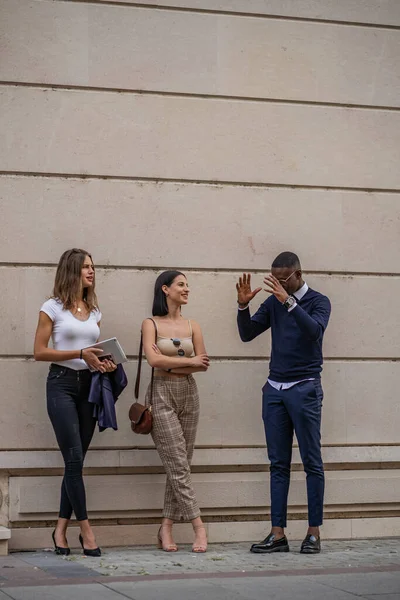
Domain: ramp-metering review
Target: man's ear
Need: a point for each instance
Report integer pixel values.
(299, 274)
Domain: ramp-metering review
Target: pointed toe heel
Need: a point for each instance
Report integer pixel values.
(58, 550)
(95, 552)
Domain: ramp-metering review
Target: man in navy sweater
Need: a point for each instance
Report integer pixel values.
(292, 395)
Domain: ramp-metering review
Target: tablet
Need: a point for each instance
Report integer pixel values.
(112, 349)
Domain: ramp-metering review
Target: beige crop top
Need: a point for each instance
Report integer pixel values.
(176, 346)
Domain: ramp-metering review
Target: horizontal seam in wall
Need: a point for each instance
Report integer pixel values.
(229, 13)
(211, 517)
(131, 448)
(216, 359)
(194, 270)
(213, 182)
(383, 467)
(189, 95)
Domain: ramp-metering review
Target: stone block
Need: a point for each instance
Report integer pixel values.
(129, 135)
(246, 233)
(198, 53)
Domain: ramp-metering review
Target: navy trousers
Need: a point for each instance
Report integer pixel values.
(284, 411)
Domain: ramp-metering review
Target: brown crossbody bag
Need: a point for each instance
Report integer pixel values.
(140, 415)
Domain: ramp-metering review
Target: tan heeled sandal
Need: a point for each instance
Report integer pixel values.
(199, 548)
(168, 547)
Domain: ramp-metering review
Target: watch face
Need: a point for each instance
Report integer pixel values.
(290, 301)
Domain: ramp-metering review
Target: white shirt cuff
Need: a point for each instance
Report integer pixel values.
(292, 307)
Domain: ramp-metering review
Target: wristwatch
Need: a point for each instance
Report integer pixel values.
(289, 302)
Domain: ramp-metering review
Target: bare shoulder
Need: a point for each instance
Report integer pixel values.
(148, 322)
(195, 326)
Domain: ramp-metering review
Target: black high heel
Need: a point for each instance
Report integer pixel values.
(58, 550)
(87, 551)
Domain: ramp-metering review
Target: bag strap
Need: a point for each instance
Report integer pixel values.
(137, 383)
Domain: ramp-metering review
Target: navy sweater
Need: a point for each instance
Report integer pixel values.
(296, 351)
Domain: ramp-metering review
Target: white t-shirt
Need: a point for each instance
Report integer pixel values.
(69, 333)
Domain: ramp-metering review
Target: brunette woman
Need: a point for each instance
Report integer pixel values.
(71, 318)
(178, 353)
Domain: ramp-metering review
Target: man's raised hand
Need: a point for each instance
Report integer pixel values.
(243, 287)
(275, 287)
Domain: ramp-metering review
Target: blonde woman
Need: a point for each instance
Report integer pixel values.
(178, 353)
(71, 317)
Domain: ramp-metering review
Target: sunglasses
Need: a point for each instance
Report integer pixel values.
(177, 343)
(287, 278)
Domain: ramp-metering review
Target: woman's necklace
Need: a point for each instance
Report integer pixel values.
(78, 308)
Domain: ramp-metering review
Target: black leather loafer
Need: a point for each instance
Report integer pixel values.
(311, 545)
(271, 544)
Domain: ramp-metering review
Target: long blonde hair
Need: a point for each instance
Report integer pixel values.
(68, 281)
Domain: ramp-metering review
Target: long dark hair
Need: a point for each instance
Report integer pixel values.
(68, 281)
(160, 306)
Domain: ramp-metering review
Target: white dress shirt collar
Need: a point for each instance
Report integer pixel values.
(301, 292)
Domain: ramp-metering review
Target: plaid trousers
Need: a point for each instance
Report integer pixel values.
(175, 407)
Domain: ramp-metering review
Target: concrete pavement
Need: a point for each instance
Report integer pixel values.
(345, 570)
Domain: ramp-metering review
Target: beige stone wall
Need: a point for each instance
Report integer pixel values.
(208, 136)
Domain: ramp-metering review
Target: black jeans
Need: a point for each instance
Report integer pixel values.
(72, 418)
